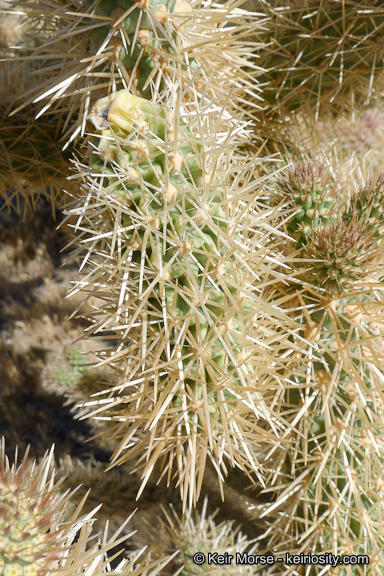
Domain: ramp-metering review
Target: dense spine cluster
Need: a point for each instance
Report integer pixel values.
(309, 189)
(328, 494)
(177, 220)
(40, 534)
(145, 47)
(243, 309)
(320, 53)
(221, 545)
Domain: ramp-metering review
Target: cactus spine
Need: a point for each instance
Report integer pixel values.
(184, 254)
(176, 233)
(322, 52)
(145, 47)
(200, 533)
(329, 497)
(39, 534)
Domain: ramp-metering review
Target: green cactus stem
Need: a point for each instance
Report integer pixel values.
(183, 255)
(330, 495)
(149, 46)
(309, 189)
(145, 47)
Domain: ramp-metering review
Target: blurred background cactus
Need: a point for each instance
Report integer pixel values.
(322, 54)
(216, 174)
(40, 536)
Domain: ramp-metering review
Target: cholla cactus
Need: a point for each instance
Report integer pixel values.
(183, 245)
(39, 536)
(32, 162)
(322, 53)
(186, 260)
(76, 379)
(104, 46)
(197, 536)
(309, 189)
(329, 488)
(180, 220)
